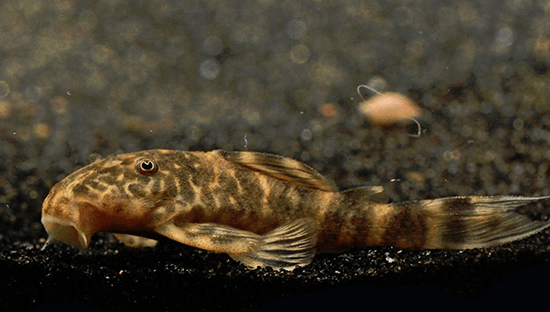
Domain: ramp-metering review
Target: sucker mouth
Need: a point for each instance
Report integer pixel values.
(65, 232)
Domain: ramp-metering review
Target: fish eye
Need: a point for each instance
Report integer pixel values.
(147, 167)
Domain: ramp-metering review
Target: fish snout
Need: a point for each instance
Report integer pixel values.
(62, 220)
(65, 232)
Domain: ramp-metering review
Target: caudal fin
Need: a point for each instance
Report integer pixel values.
(466, 222)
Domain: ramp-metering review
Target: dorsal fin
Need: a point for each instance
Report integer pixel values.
(282, 168)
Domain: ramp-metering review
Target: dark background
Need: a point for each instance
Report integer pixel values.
(107, 77)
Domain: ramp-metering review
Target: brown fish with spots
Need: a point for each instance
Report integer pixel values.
(264, 209)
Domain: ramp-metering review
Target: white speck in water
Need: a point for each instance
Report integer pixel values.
(209, 69)
(69, 93)
(395, 180)
(245, 142)
(389, 259)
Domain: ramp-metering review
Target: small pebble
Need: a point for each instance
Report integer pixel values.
(389, 108)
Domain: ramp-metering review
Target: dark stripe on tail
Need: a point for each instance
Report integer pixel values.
(481, 221)
(455, 226)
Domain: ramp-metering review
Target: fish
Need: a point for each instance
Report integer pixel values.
(264, 209)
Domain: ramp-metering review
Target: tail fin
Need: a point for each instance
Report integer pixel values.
(464, 222)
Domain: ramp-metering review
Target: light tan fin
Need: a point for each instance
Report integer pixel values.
(481, 221)
(375, 194)
(285, 247)
(211, 236)
(283, 168)
(134, 241)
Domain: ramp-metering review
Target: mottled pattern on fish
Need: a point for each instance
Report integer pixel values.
(264, 209)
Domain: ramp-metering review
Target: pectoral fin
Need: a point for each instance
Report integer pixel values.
(285, 247)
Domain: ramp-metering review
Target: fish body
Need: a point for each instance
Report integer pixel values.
(263, 209)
